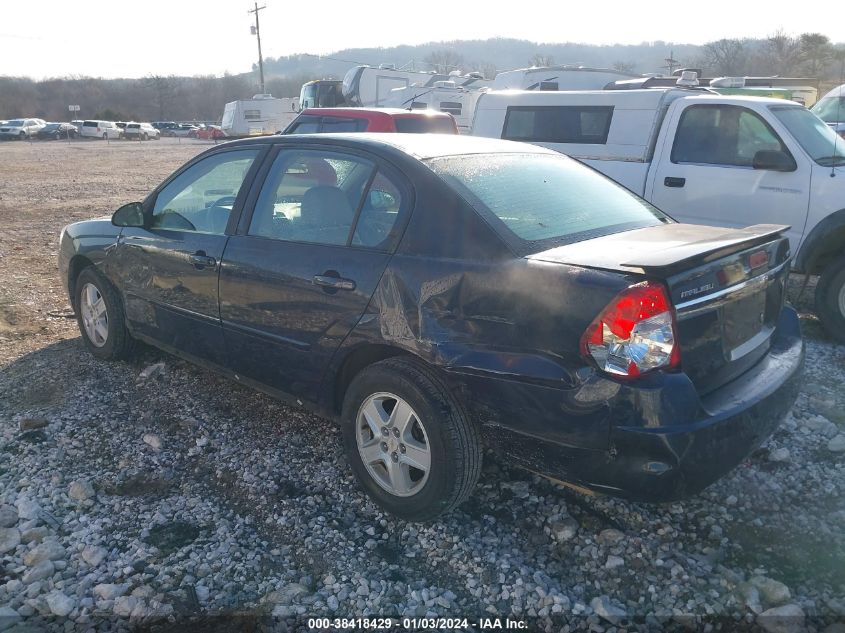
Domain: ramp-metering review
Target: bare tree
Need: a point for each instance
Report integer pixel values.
(164, 92)
(541, 61)
(488, 70)
(726, 56)
(444, 60)
(816, 51)
(781, 53)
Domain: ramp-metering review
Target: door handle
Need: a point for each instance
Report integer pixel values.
(329, 283)
(200, 260)
(671, 181)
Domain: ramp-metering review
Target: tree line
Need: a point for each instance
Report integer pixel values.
(201, 98)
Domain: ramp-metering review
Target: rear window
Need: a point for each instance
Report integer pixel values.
(337, 124)
(91, 124)
(134, 126)
(558, 124)
(422, 125)
(542, 199)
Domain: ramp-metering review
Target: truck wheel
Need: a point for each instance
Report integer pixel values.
(830, 299)
(99, 312)
(409, 441)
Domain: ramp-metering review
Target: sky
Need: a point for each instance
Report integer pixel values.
(119, 38)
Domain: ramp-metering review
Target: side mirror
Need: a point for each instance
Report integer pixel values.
(774, 160)
(131, 214)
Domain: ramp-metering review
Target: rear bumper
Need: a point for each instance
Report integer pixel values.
(664, 442)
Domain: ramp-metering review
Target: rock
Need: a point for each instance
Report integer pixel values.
(332, 603)
(60, 604)
(287, 594)
(151, 371)
(613, 562)
(731, 500)
(822, 426)
(93, 555)
(8, 516)
(772, 592)
(779, 455)
(202, 593)
(36, 534)
(609, 536)
(31, 424)
(10, 538)
(124, 606)
(109, 591)
(607, 610)
(565, 529)
(283, 611)
(8, 618)
(786, 619)
(152, 440)
(42, 570)
(28, 509)
(750, 597)
(81, 490)
(48, 550)
(837, 444)
(329, 580)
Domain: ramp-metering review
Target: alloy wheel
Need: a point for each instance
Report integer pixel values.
(95, 316)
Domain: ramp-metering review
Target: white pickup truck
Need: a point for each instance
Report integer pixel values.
(703, 158)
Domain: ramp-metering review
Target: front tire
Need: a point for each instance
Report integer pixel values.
(100, 316)
(409, 441)
(830, 299)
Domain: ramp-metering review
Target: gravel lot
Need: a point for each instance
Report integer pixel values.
(156, 494)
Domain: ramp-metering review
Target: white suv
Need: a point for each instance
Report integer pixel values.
(100, 129)
(141, 131)
(21, 128)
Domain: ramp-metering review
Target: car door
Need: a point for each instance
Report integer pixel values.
(301, 270)
(705, 174)
(168, 271)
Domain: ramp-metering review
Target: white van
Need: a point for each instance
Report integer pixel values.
(105, 130)
(831, 109)
(703, 158)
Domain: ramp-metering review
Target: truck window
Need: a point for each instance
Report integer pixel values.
(722, 135)
(587, 125)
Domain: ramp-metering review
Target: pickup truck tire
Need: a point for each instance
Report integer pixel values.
(395, 412)
(106, 338)
(830, 299)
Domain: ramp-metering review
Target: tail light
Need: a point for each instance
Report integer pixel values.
(635, 333)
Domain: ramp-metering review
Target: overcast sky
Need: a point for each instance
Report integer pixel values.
(188, 37)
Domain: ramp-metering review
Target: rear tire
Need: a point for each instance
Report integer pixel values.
(100, 316)
(830, 299)
(435, 430)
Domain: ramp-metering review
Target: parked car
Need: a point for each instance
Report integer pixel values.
(141, 131)
(402, 285)
(210, 132)
(163, 126)
(56, 131)
(709, 159)
(831, 109)
(77, 123)
(21, 129)
(183, 129)
(101, 129)
(323, 120)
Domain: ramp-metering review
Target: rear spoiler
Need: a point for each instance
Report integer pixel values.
(705, 250)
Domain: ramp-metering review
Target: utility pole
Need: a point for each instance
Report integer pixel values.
(671, 62)
(257, 32)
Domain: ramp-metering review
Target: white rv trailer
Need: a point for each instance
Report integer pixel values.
(445, 96)
(366, 86)
(558, 78)
(263, 114)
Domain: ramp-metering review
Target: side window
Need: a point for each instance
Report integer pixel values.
(587, 125)
(311, 196)
(336, 124)
(722, 135)
(201, 198)
(379, 215)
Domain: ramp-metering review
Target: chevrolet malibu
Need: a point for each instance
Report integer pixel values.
(438, 295)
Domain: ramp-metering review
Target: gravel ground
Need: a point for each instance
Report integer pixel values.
(155, 494)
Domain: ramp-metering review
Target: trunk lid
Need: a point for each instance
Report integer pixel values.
(727, 287)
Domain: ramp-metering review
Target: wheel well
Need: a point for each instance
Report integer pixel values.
(77, 264)
(356, 362)
(830, 248)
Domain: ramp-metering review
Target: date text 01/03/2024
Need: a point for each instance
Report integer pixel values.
(416, 624)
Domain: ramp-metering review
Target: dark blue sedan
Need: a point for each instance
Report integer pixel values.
(438, 295)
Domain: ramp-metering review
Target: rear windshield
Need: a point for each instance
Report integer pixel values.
(830, 109)
(134, 126)
(536, 201)
(425, 124)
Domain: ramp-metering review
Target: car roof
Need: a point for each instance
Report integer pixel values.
(420, 146)
(367, 113)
